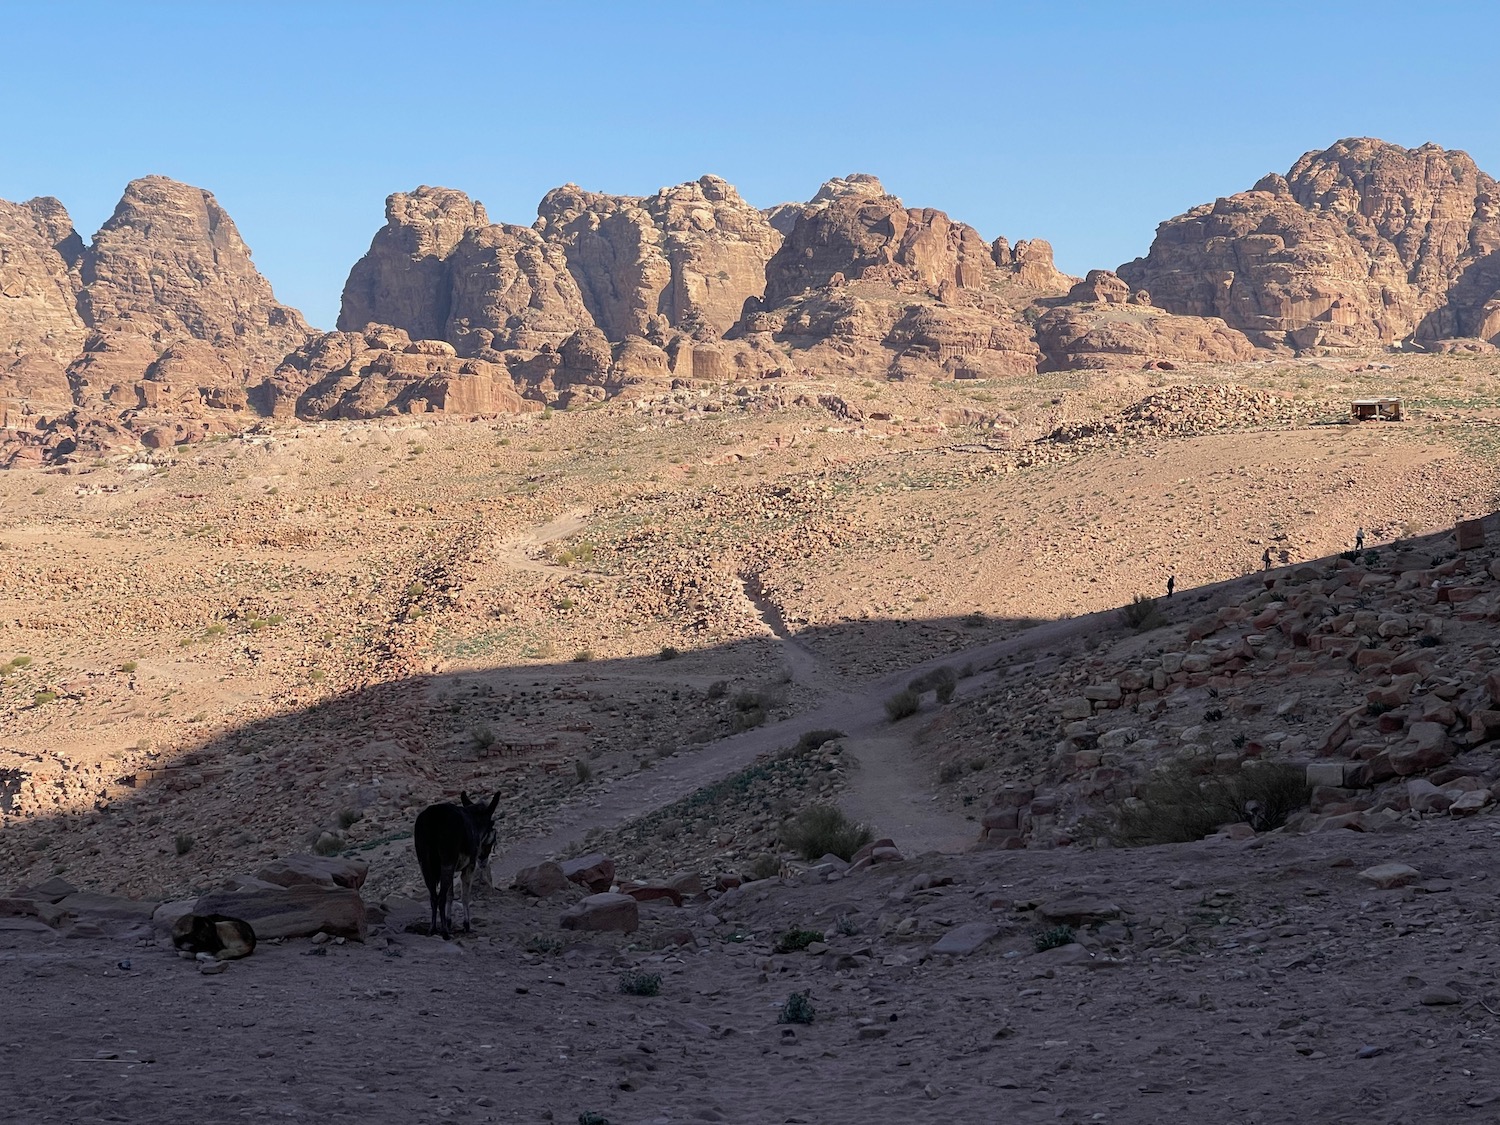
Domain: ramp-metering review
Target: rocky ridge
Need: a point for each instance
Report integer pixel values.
(1362, 244)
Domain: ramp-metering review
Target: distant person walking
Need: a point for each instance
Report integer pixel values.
(1265, 559)
(1171, 584)
(1359, 540)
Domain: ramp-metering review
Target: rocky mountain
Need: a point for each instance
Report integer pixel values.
(1103, 323)
(162, 318)
(1362, 244)
(685, 258)
(440, 270)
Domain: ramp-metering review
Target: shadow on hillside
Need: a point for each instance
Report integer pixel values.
(274, 785)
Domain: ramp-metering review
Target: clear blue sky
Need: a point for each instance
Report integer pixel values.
(1084, 123)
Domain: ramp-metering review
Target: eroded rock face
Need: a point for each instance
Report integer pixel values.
(170, 265)
(1364, 243)
(383, 371)
(41, 261)
(854, 231)
(403, 280)
(440, 270)
(685, 258)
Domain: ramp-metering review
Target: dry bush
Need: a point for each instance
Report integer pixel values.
(1142, 614)
(1179, 805)
(820, 830)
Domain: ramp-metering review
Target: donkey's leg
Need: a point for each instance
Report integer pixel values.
(445, 900)
(468, 882)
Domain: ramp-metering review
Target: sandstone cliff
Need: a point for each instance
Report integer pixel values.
(41, 260)
(1105, 324)
(685, 258)
(853, 230)
(440, 270)
(383, 371)
(1364, 243)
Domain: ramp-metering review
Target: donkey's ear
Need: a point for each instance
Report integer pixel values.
(495, 803)
(464, 797)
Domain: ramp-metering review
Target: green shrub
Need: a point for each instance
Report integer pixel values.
(902, 704)
(815, 738)
(640, 984)
(795, 941)
(1179, 805)
(582, 656)
(820, 830)
(1052, 938)
(544, 945)
(797, 1009)
(1142, 614)
(42, 698)
(128, 666)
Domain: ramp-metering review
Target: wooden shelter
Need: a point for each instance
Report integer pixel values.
(1375, 410)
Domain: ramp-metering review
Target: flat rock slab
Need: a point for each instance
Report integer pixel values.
(315, 871)
(284, 912)
(1388, 875)
(963, 940)
(604, 912)
(1078, 910)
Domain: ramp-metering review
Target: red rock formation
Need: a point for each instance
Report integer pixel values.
(41, 260)
(853, 229)
(440, 270)
(1104, 324)
(383, 371)
(1364, 243)
(687, 257)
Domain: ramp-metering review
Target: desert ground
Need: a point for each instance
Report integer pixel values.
(293, 639)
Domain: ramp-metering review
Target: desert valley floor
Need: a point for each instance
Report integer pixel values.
(662, 626)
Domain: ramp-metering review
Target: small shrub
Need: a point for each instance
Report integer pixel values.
(902, 705)
(950, 772)
(746, 720)
(816, 738)
(795, 941)
(350, 817)
(583, 771)
(670, 652)
(544, 945)
(765, 866)
(42, 698)
(327, 844)
(820, 830)
(718, 689)
(1178, 806)
(1427, 640)
(19, 662)
(975, 620)
(846, 926)
(941, 680)
(1142, 614)
(1213, 715)
(1052, 938)
(582, 656)
(797, 1009)
(589, 1117)
(640, 984)
(482, 737)
(183, 843)
(128, 666)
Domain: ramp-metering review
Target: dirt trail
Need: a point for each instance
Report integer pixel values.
(513, 552)
(892, 793)
(885, 785)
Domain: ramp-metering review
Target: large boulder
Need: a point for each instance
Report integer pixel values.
(296, 911)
